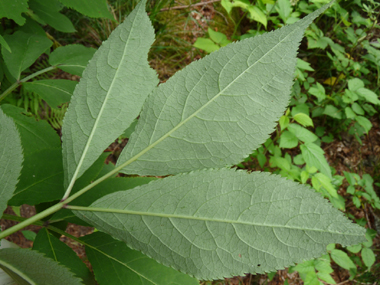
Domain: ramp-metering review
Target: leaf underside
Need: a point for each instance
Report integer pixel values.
(11, 158)
(213, 224)
(110, 93)
(217, 110)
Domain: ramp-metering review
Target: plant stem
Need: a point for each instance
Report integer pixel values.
(32, 220)
(41, 224)
(25, 79)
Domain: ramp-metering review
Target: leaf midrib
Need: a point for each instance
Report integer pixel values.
(93, 130)
(169, 216)
(149, 147)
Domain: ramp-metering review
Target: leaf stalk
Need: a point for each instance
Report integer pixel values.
(25, 79)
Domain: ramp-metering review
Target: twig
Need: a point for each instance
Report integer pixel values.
(189, 6)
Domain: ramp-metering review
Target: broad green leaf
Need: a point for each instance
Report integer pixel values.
(30, 267)
(333, 112)
(303, 119)
(284, 122)
(314, 156)
(93, 8)
(53, 91)
(12, 9)
(72, 58)
(301, 133)
(116, 264)
(357, 109)
(349, 113)
(304, 65)
(341, 258)
(26, 48)
(364, 122)
(11, 158)
(218, 109)
(280, 162)
(318, 91)
(369, 95)
(111, 92)
(256, 14)
(206, 44)
(48, 11)
(35, 136)
(288, 140)
(368, 257)
(326, 277)
(355, 83)
(29, 235)
(218, 37)
(326, 183)
(227, 5)
(218, 223)
(41, 178)
(53, 248)
(355, 248)
(5, 45)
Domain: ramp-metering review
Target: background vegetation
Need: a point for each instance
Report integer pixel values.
(329, 137)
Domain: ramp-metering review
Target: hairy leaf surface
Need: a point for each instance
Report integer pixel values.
(53, 91)
(116, 264)
(11, 158)
(111, 92)
(30, 267)
(217, 110)
(60, 252)
(217, 223)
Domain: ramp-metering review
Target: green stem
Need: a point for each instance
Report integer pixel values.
(41, 224)
(31, 220)
(25, 79)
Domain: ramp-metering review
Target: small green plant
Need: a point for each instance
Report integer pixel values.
(206, 220)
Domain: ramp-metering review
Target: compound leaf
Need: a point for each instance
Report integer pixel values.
(11, 158)
(26, 48)
(116, 264)
(72, 58)
(12, 9)
(53, 91)
(218, 109)
(30, 267)
(94, 8)
(218, 223)
(111, 92)
(60, 252)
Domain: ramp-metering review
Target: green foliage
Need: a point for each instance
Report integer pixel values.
(114, 263)
(121, 77)
(209, 223)
(30, 267)
(200, 202)
(10, 158)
